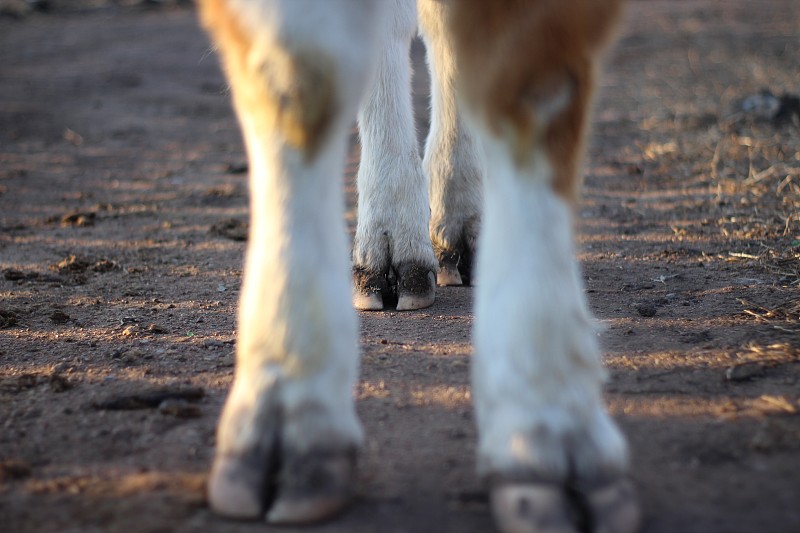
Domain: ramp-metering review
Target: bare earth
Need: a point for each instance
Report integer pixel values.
(122, 180)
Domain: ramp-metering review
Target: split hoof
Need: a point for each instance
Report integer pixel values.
(416, 287)
(302, 489)
(313, 487)
(455, 266)
(370, 289)
(449, 275)
(404, 288)
(614, 507)
(532, 508)
(236, 487)
(554, 508)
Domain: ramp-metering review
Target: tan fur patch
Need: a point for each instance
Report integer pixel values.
(299, 97)
(292, 91)
(514, 59)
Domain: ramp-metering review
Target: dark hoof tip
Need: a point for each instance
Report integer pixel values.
(371, 290)
(553, 507)
(235, 488)
(307, 488)
(315, 486)
(416, 287)
(406, 287)
(455, 266)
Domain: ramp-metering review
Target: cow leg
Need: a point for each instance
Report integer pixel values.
(392, 255)
(288, 434)
(453, 160)
(554, 459)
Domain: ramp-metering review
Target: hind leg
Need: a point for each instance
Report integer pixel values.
(393, 260)
(453, 158)
(288, 434)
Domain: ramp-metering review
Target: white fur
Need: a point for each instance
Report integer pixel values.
(393, 199)
(536, 373)
(453, 158)
(297, 342)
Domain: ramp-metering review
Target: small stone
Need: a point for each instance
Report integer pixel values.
(105, 265)
(7, 319)
(179, 409)
(79, 219)
(59, 383)
(237, 168)
(644, 309)
(231, 228)
(14, 275)
(132, 356)
(71, 265)
(59, 317)
(227, 360)
(12, 469)
(744, 372)
(19, 383)
(61, 368)
(213, 344)
(156, 329)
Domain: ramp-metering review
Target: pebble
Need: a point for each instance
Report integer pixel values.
(744, 372)
(156, 329)
(647, 310)
(227, 360)
(59, 383)
(59, 317)
(213, 344)
(61, 368)
(179, 409)
(14, 469)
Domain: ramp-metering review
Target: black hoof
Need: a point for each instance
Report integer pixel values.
(405, 287)
(552, 507)
(455, 265)
(293, 489)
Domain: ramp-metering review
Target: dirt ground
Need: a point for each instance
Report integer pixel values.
(122, 202)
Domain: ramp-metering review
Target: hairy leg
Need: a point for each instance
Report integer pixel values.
(554, 459)
(288, 435)
(392, 255)
(453, 158)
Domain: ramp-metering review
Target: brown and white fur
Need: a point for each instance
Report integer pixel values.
(512, 85)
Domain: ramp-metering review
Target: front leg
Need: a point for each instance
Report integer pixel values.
(288, 434)
(393, 260)
(554, 459)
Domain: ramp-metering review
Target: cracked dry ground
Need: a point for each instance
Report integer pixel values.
(122, 203)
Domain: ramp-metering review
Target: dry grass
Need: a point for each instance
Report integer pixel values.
(784, 317)
(756, 168)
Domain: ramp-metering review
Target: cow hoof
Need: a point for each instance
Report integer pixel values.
(405, 287)
(449, 275)
(235, 488)
(416, 287)
(295, 490)
(455, 265)
(553, 508)
(614, 507)
(370, 289)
